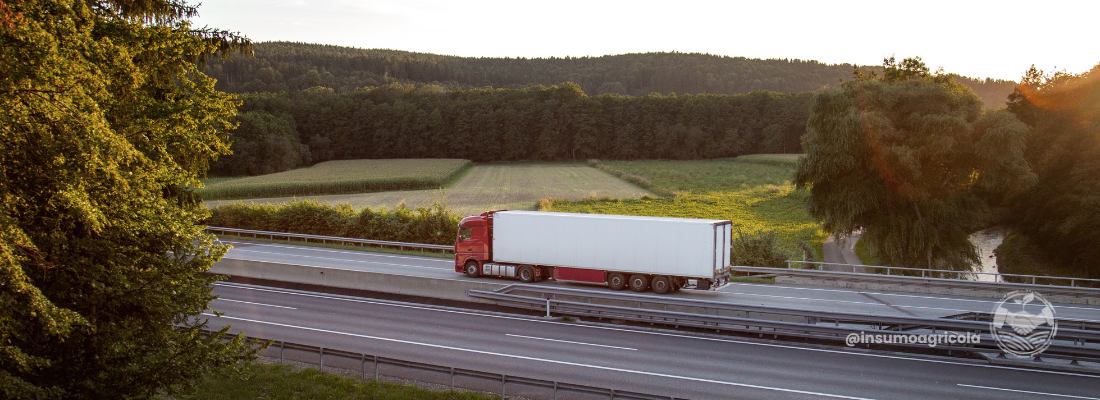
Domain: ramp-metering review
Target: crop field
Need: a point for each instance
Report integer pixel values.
(345, 176)
(755, 196)
(492, 187)
(705, 176)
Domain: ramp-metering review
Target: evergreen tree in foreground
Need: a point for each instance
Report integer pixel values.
(105, 120)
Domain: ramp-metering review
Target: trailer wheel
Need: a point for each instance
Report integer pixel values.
(616, 281)
(526, 274)
(639, 283)
(472, 270)
(661, 285)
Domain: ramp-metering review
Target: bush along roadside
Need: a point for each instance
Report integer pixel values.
(757, 249)
(431, 225)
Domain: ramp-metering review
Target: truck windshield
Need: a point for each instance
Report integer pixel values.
(465, 234)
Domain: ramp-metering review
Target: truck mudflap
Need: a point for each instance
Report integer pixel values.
(720, 279)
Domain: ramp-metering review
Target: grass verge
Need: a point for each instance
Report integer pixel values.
(276, 382)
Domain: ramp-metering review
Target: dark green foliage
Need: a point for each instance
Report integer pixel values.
(912, 159)
(283, 66)
(434, 225)
(1060, 215)
(264, 144)
(757, 249)
(105, 119)
(537, 123)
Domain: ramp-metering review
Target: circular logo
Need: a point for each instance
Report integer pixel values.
(1023, 323)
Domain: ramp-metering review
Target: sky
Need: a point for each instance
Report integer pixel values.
(996, 39)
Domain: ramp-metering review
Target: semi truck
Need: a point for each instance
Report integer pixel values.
(642, 253)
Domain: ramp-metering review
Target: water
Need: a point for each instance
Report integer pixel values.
(986, 241)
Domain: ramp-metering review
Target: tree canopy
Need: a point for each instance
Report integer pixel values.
(284, 66)
(912, 159)
(105, 120)
(1061, 213)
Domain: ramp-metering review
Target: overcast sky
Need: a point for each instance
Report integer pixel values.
(998, 39)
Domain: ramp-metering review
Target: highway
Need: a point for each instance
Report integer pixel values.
(622, 358)
(777, 295)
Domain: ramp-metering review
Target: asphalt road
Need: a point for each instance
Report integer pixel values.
(810, 298)
(620, 357)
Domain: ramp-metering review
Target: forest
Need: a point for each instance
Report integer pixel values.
(279, 131)
(285, 66)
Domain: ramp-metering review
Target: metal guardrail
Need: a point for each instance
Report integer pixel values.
(334, 239)
(503, 379)
(1071, 344)
(1077, 291)
(960, 275)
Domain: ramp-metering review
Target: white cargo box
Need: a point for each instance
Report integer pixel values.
(695, 248)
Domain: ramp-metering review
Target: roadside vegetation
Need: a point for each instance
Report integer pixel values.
(338, 246)
(345, 176)
(758, 197)
(489, 187)
(436, 224)
(275, 382)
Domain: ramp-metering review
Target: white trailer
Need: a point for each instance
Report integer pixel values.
(667, 253)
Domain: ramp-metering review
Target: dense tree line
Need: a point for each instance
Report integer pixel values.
(1056, 220)
(483, 124)
(284, 66)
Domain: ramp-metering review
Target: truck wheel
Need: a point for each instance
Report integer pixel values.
(661, 285)
(526, 274)
(616, 281)
(639, 283)
(472, 270)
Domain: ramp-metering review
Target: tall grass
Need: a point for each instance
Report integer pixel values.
(344, 176)
(433, 225)
(275, 381)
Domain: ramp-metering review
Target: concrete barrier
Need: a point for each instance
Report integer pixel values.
(449, 289)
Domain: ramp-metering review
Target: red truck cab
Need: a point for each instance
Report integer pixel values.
(473, 246)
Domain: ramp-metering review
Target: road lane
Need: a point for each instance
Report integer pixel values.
(777, 295)
(662, 363)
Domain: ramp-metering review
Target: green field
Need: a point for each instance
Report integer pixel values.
(492, 187)
(711, 175)
(345, 176)
(755, 196)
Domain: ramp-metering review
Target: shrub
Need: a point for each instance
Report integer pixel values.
(432, 225)
(757, 249)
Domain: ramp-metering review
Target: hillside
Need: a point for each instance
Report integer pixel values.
(285, 66)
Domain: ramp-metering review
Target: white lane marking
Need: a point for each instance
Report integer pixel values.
(358, 253)
(1030, 392)
(333, 259)
(781, 346)
(629, 371)
(885, 305)
(259, 304)
(896, 295)
(566, 341)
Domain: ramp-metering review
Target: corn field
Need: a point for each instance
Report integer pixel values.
(344, 176)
